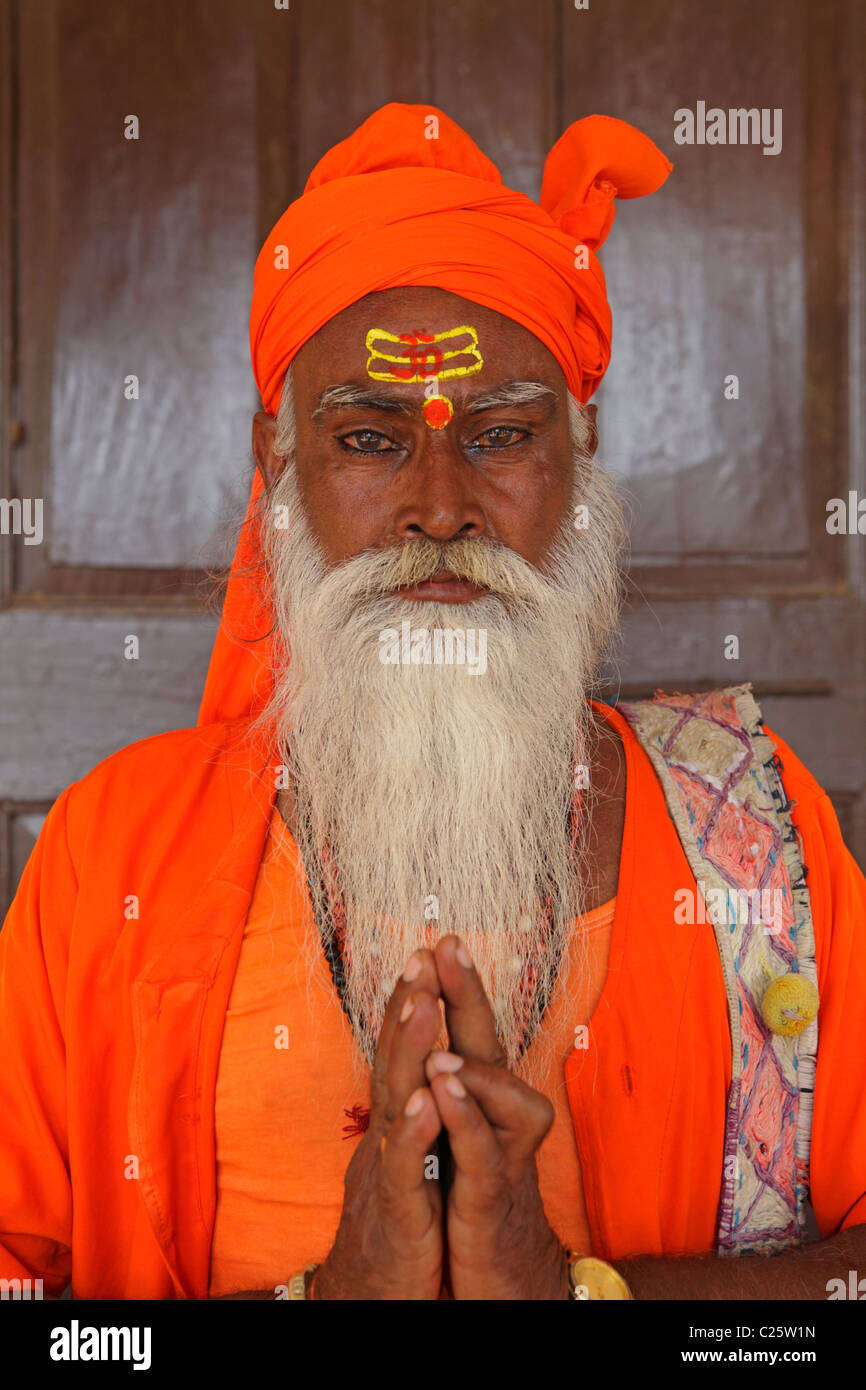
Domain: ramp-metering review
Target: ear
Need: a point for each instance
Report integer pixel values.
(267, 462)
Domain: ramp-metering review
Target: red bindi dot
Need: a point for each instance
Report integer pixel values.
(437, 411)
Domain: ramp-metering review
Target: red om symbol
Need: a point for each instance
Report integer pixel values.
(418, 355)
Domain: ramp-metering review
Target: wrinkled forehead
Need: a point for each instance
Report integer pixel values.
(410, 335)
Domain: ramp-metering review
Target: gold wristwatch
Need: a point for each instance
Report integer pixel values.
(589, 1278)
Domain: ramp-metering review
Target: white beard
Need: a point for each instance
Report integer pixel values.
(444, 796)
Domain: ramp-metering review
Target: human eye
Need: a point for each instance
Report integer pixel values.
(500, 437)
(366, 442)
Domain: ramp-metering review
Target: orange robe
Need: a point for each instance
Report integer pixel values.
(117, 963)
(282, 1143)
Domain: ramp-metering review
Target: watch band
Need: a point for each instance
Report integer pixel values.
(596, 1280)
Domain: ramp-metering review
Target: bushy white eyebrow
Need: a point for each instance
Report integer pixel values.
(510, 393)
(341, 397)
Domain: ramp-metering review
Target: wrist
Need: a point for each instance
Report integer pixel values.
(322, 1285)
(556, 1287)
(563, 1280)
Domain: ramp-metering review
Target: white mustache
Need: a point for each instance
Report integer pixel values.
(488, 563)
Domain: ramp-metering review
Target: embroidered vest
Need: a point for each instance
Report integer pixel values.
(720, 777)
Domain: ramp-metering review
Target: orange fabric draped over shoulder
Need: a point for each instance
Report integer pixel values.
(410, 199)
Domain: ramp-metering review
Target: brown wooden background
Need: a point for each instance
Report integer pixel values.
(135, 257)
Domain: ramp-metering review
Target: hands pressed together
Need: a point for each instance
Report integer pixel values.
(489, 1238)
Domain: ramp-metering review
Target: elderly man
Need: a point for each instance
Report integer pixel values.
(413, 971)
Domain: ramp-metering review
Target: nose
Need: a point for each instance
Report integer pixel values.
(438, 497)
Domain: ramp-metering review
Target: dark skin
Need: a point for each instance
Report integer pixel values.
(513, 487)
(506, 475)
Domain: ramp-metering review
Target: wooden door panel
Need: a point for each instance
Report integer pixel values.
(710, 278)
(495, 72)
(135, 259)
(72, 695)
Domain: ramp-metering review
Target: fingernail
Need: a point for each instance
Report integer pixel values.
(456, 1087)
(444, 1061)
(414, 1104)
(413, 968)
(463, 956)
(408, 1010)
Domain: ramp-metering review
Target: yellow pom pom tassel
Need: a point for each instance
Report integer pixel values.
(789, 1005)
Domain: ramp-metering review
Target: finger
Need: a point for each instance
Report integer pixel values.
(468, 1014)
(418, 973)
(412, 1038)
(477, 1155)
(521, 1117)
(403, 1154)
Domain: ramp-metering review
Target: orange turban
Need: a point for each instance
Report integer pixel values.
(409, 199)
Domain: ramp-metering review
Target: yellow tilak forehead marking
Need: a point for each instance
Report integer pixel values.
(420, 357)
